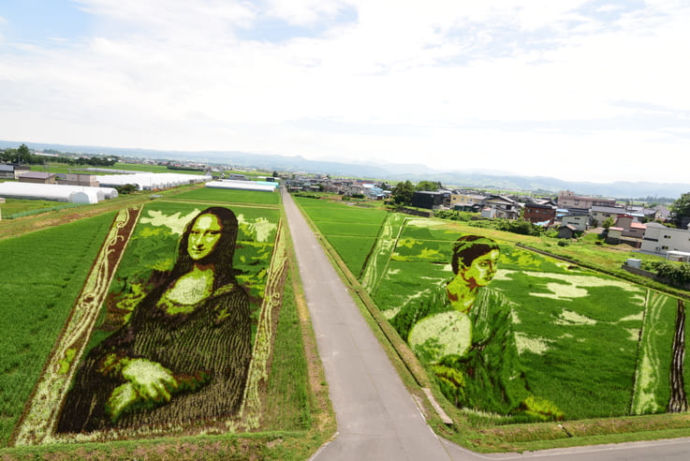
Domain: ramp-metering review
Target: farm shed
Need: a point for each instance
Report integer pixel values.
(566, 231)
(36, 177)
(242, 185)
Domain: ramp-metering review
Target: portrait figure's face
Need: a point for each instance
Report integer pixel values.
(482, 270)
(204, 236)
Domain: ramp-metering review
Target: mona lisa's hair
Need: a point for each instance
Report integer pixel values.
(468, 248)
(222, 254)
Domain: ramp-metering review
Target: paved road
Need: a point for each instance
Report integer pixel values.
(376, 415)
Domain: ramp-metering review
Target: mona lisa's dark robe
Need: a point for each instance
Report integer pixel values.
(208, 351)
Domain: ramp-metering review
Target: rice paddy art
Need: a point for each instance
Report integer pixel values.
(183, 339)
(573, 343)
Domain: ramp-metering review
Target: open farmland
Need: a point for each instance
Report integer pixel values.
(350, 229)
(18, 207)
(208, 194)
(40, 277)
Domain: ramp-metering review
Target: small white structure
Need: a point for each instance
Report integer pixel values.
(634, 262)
(241, 185)
(661, 239)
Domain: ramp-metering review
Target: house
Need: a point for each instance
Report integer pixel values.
(566, 231)
(629, 227)
(599, 214)
(465, 202)
(37, 177)
(661, 239)
(578, 220)
(6, 171)
(499, 206)
(539, 213)
(427, 199)
(567, 199)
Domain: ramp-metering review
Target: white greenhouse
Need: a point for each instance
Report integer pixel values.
(150, 181)
(241, 185)
(56, 192)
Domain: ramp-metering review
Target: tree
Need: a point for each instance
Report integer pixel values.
(402, 193)
(608, 222)
(23, 154)
(428, 185)
(681, 208)
(275, 174)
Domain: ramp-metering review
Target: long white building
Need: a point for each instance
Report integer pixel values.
(56, 192)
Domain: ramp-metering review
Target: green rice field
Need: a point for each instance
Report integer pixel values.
(41, 275)
(230, 196)
(350, 229)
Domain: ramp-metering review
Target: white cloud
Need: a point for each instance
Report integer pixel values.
(477, 85)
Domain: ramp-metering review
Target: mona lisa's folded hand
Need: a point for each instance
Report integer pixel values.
(120, 399)
(151, 380)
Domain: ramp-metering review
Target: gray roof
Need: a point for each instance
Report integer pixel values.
(4, 167)
(36, 175)
(609, 209)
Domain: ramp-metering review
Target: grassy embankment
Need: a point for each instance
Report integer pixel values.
(576, 333)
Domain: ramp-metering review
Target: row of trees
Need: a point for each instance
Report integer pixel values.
(403, 191)
(23, 156)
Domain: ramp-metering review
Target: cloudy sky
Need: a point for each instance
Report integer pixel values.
(579, 90)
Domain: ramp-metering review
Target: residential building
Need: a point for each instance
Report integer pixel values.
(630, 228)
(567, 199)
(6, 171)
(599, 214)
(465, 202)
(427, 199)
(578, 220)
(540, 213)
(499, 206)
(661, 239)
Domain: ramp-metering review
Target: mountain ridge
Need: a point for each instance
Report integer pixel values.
(391, 172)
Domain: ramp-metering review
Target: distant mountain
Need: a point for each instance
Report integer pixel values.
(393, 172)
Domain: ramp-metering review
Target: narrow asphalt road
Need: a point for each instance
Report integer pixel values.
(376, 415)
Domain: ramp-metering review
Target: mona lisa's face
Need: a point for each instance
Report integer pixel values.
(204, 236)
(482, 270)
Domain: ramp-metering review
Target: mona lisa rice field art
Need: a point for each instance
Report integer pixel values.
(172, 331)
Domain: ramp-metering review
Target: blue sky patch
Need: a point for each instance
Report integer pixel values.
(42, 23)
